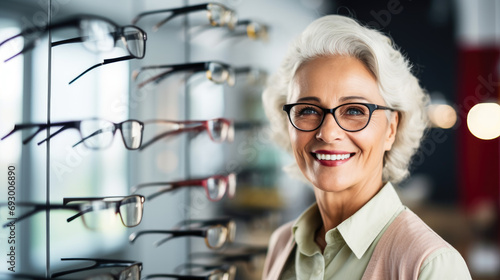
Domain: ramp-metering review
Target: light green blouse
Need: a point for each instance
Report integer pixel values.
(351, 244)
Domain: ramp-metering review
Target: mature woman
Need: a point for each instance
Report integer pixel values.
(345, 103)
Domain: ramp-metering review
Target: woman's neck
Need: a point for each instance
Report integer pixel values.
(336, 207)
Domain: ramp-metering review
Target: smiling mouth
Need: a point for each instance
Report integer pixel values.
(333, 157)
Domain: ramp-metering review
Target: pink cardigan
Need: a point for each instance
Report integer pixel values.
(399, 253)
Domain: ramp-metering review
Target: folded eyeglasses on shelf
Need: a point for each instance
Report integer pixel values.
(97, 34)
(215, 186)
(217, 72)
(129, 208)
(99, 133)
(217, 14)
(216, 233)
(132, 269)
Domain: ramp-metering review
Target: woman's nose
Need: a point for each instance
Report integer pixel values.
(329, 130)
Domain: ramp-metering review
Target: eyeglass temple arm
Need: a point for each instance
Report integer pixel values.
(97, 132)
(179, 234)
(99, 263)
(28, 31)
(205, 222)
(173, 233)
(65, 125)
(38, 208)
(25, 126)
(106, 61)
(26, 48)
(67, 41)
(170, 133)
(80, 213)
(174, 11)
(195, 67)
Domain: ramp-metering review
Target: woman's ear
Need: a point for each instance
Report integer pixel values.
(391, 131)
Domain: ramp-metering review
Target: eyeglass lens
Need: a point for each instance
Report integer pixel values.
(131, 273)
(97, 215)
(134, 41)
(218, 15)
(350, 117)
(231, 184)
(97, 134)
(132, 134)
(216, 236)
(131, 211)
(102, 214)
(98, 35)
(219, 73)
(218, 129)
(216, 188)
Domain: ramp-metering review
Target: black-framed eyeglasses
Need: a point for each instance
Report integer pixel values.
(350, 117)
(215, 236)
(97, 34)
(215, 186)
(218, 14)
(94, 133)
(132, 269)
(98, 133)
(129, 208)
(217, 72)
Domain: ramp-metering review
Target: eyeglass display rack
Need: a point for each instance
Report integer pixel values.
(38, 91)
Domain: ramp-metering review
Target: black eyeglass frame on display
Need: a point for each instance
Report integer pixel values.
(77, 125)
(119, 34)
(228, 74)
(103, 263)
(118, 201)
(227, 16)
(201, 232)
(223, 127)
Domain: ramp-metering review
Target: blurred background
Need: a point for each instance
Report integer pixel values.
(454, 48)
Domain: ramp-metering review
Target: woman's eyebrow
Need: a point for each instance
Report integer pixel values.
(348, 98)
(309, 98)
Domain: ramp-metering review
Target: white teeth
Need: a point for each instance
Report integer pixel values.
(332, 157)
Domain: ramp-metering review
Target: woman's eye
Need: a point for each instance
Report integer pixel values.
(308, 111)
(354, 111)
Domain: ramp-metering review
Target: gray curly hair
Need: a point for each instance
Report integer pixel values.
(340, 35)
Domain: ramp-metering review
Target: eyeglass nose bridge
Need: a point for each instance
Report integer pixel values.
(332, 112)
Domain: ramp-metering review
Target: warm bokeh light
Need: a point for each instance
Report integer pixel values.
(442, 115)
(483, 120)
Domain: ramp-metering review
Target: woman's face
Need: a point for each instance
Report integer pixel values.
(329, 82)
